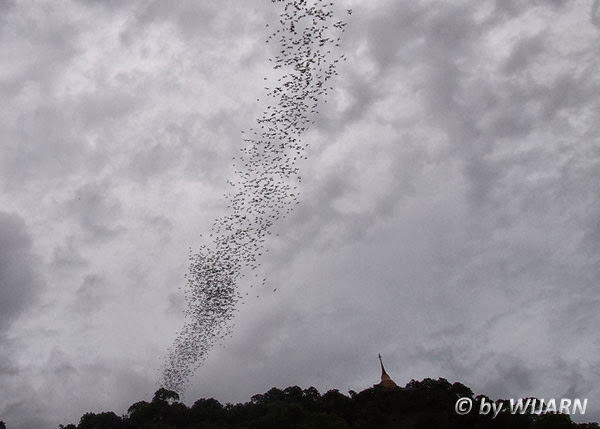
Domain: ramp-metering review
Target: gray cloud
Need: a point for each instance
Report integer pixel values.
(395, 29)
(67, 258)
(511, 376)
(20, 280)
(523, 53)
(93, 386)
(449, 214)
(594, 14)
(91, 296)
(96, 211)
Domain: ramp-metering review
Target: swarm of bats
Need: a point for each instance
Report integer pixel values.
(265, 186)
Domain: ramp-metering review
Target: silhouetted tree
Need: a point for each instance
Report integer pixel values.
(208, 413)
(553, 421)
(139, 413)
(108, 420)
(427, 404)
(165, 395)
(162, 412)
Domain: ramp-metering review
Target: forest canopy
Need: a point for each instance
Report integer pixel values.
(420, 404)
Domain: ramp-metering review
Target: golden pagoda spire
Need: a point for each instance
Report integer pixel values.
(386, 382)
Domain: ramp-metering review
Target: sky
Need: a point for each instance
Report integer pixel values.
(449, 214)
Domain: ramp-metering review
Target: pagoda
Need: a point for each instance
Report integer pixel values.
(386, 382)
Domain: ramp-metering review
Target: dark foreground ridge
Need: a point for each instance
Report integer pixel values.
(426, 404)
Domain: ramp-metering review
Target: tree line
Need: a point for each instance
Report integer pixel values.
(426, 404)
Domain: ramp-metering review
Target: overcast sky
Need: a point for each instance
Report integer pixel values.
(450, 217)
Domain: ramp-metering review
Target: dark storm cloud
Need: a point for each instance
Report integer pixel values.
(19, 278)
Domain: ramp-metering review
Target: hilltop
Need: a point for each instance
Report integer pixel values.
(426, 404)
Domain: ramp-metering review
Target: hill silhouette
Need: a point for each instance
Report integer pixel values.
(426, 404)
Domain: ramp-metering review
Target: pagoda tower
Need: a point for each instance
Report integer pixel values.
(386, 382)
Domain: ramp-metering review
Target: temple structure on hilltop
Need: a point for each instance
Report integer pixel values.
(386, 382)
